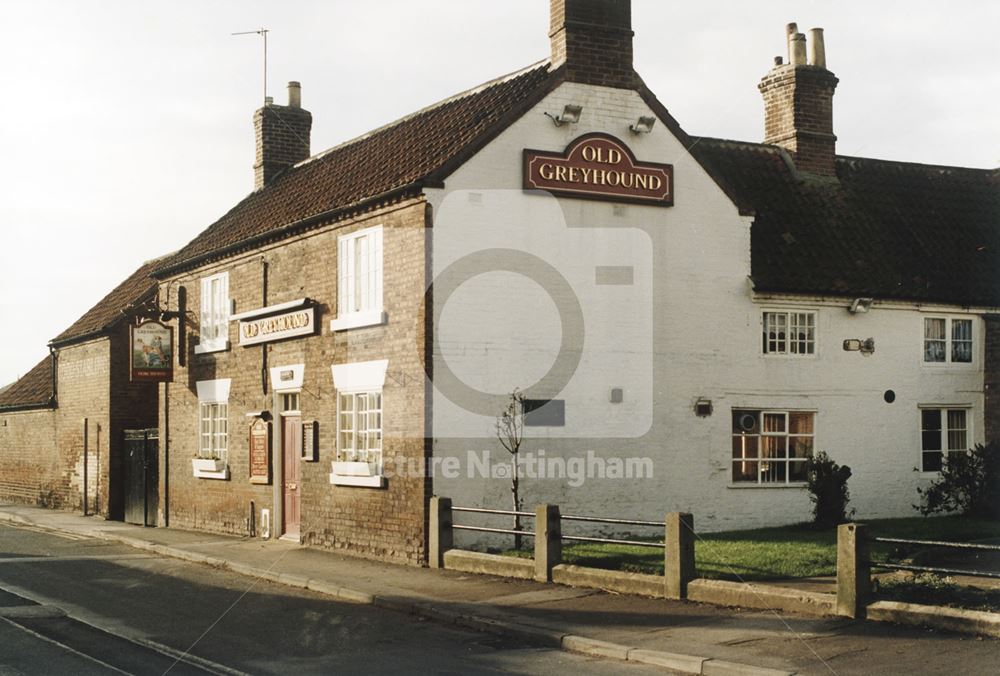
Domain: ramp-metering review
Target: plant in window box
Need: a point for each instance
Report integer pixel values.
(207, 464)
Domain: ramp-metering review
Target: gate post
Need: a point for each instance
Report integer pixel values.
(548, 541)
(441, 537)
(853, 570)
(678, 554)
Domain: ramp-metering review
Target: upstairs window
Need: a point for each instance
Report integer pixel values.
(214, 314)
(947, 340)
(790, 333)
(942, 431)
(359, 279)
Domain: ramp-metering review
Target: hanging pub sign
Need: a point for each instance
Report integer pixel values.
(599, 166)
(260, 452)
(151, 352)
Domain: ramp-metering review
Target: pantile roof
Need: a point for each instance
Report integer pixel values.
(892, 230)
(32, 390)
(416, 150)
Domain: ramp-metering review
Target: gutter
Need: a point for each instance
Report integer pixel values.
(289, 229)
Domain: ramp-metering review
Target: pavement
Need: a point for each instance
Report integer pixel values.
(684, 636)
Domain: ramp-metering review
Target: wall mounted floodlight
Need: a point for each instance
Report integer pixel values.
(865, 347)
(570, 115)
(860, 306)
(643, 126)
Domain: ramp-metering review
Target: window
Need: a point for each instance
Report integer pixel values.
(359, 280)
(791, 333)
(771, 447)
(544, 412)
(359, 428)
(214, 313)
(947, 340)
(214, 431)
(942, 430)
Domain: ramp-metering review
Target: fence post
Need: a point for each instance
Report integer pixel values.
(853, 570)
(548, 541)
(441, 535)
(678, 554)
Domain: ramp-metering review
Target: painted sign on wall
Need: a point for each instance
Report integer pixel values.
(599, 166)
(151, 352)
(299, 322)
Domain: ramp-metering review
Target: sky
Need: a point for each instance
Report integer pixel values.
(127, 129)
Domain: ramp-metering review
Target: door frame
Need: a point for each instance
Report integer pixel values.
(278, 469)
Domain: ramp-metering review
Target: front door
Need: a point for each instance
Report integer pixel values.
(291, 445)
(140, 476)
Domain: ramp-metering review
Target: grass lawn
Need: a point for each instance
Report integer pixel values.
(772, 553)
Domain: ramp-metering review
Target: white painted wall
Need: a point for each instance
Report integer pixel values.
(688, 327)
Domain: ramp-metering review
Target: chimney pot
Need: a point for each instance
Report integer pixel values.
(797, 49)
(817, 48)
(268, 100)
(778, 61)
(294, 94)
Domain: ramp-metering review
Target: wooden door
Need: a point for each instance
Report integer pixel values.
(291, 480)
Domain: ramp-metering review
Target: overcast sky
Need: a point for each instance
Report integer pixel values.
(126, 128)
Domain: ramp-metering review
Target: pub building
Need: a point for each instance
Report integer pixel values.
(688, 318)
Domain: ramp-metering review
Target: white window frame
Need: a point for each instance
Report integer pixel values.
(945, 440)
(215, 309)
(359, 464)
(212, 460)
(360, 265)
(760, 435)
(786, 346)
(949, 340)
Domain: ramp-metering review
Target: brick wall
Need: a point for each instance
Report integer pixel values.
(798, 115)
(384, 523)
(282, 137)
(29, 467)
(593, 39)
(992, 378)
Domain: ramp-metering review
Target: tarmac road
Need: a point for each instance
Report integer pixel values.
(74, 605)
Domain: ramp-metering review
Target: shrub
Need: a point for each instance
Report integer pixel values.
(969, 484)
(826, 482)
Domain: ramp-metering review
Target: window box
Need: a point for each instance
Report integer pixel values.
(346, 468)
(209, 468)
(362, 481)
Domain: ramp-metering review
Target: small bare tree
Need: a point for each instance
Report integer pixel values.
(510, 432)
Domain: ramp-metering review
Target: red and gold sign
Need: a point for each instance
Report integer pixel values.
(151, 353)
(599, 166)
(260, 452)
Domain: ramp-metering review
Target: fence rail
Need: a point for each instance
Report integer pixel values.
(936, 569)
(612, 541)
(602, 519)
(940, 570)
(938, 543)
(484, 529)
(502, 512)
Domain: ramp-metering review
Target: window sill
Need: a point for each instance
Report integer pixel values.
(205, 348)
(356, 320)
(206, 468)
(799, 485)
(363, 481)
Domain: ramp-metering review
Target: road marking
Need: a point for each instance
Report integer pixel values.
(77, 613)
(64, 647)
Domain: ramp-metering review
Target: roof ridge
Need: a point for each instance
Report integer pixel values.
(433, 106)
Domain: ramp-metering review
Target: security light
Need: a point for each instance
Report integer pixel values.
(643, 126)
(860, 306)
(570, 114)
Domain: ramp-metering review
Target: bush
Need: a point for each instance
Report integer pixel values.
(826, 482)
(969, 484)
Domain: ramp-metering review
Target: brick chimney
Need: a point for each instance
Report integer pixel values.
(593, 39)
(798, 104)
(282, 134)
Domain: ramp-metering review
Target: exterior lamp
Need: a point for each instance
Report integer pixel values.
(860, 306)
(643, 126)
(570, 114)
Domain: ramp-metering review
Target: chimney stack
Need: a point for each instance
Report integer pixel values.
(282, 135)
(592, 40)
(798, 104)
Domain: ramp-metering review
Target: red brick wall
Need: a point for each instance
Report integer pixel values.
(282, 136)
(384, 523)
(593, 38)
(29, 467)
(798, 115)
(992, 378)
